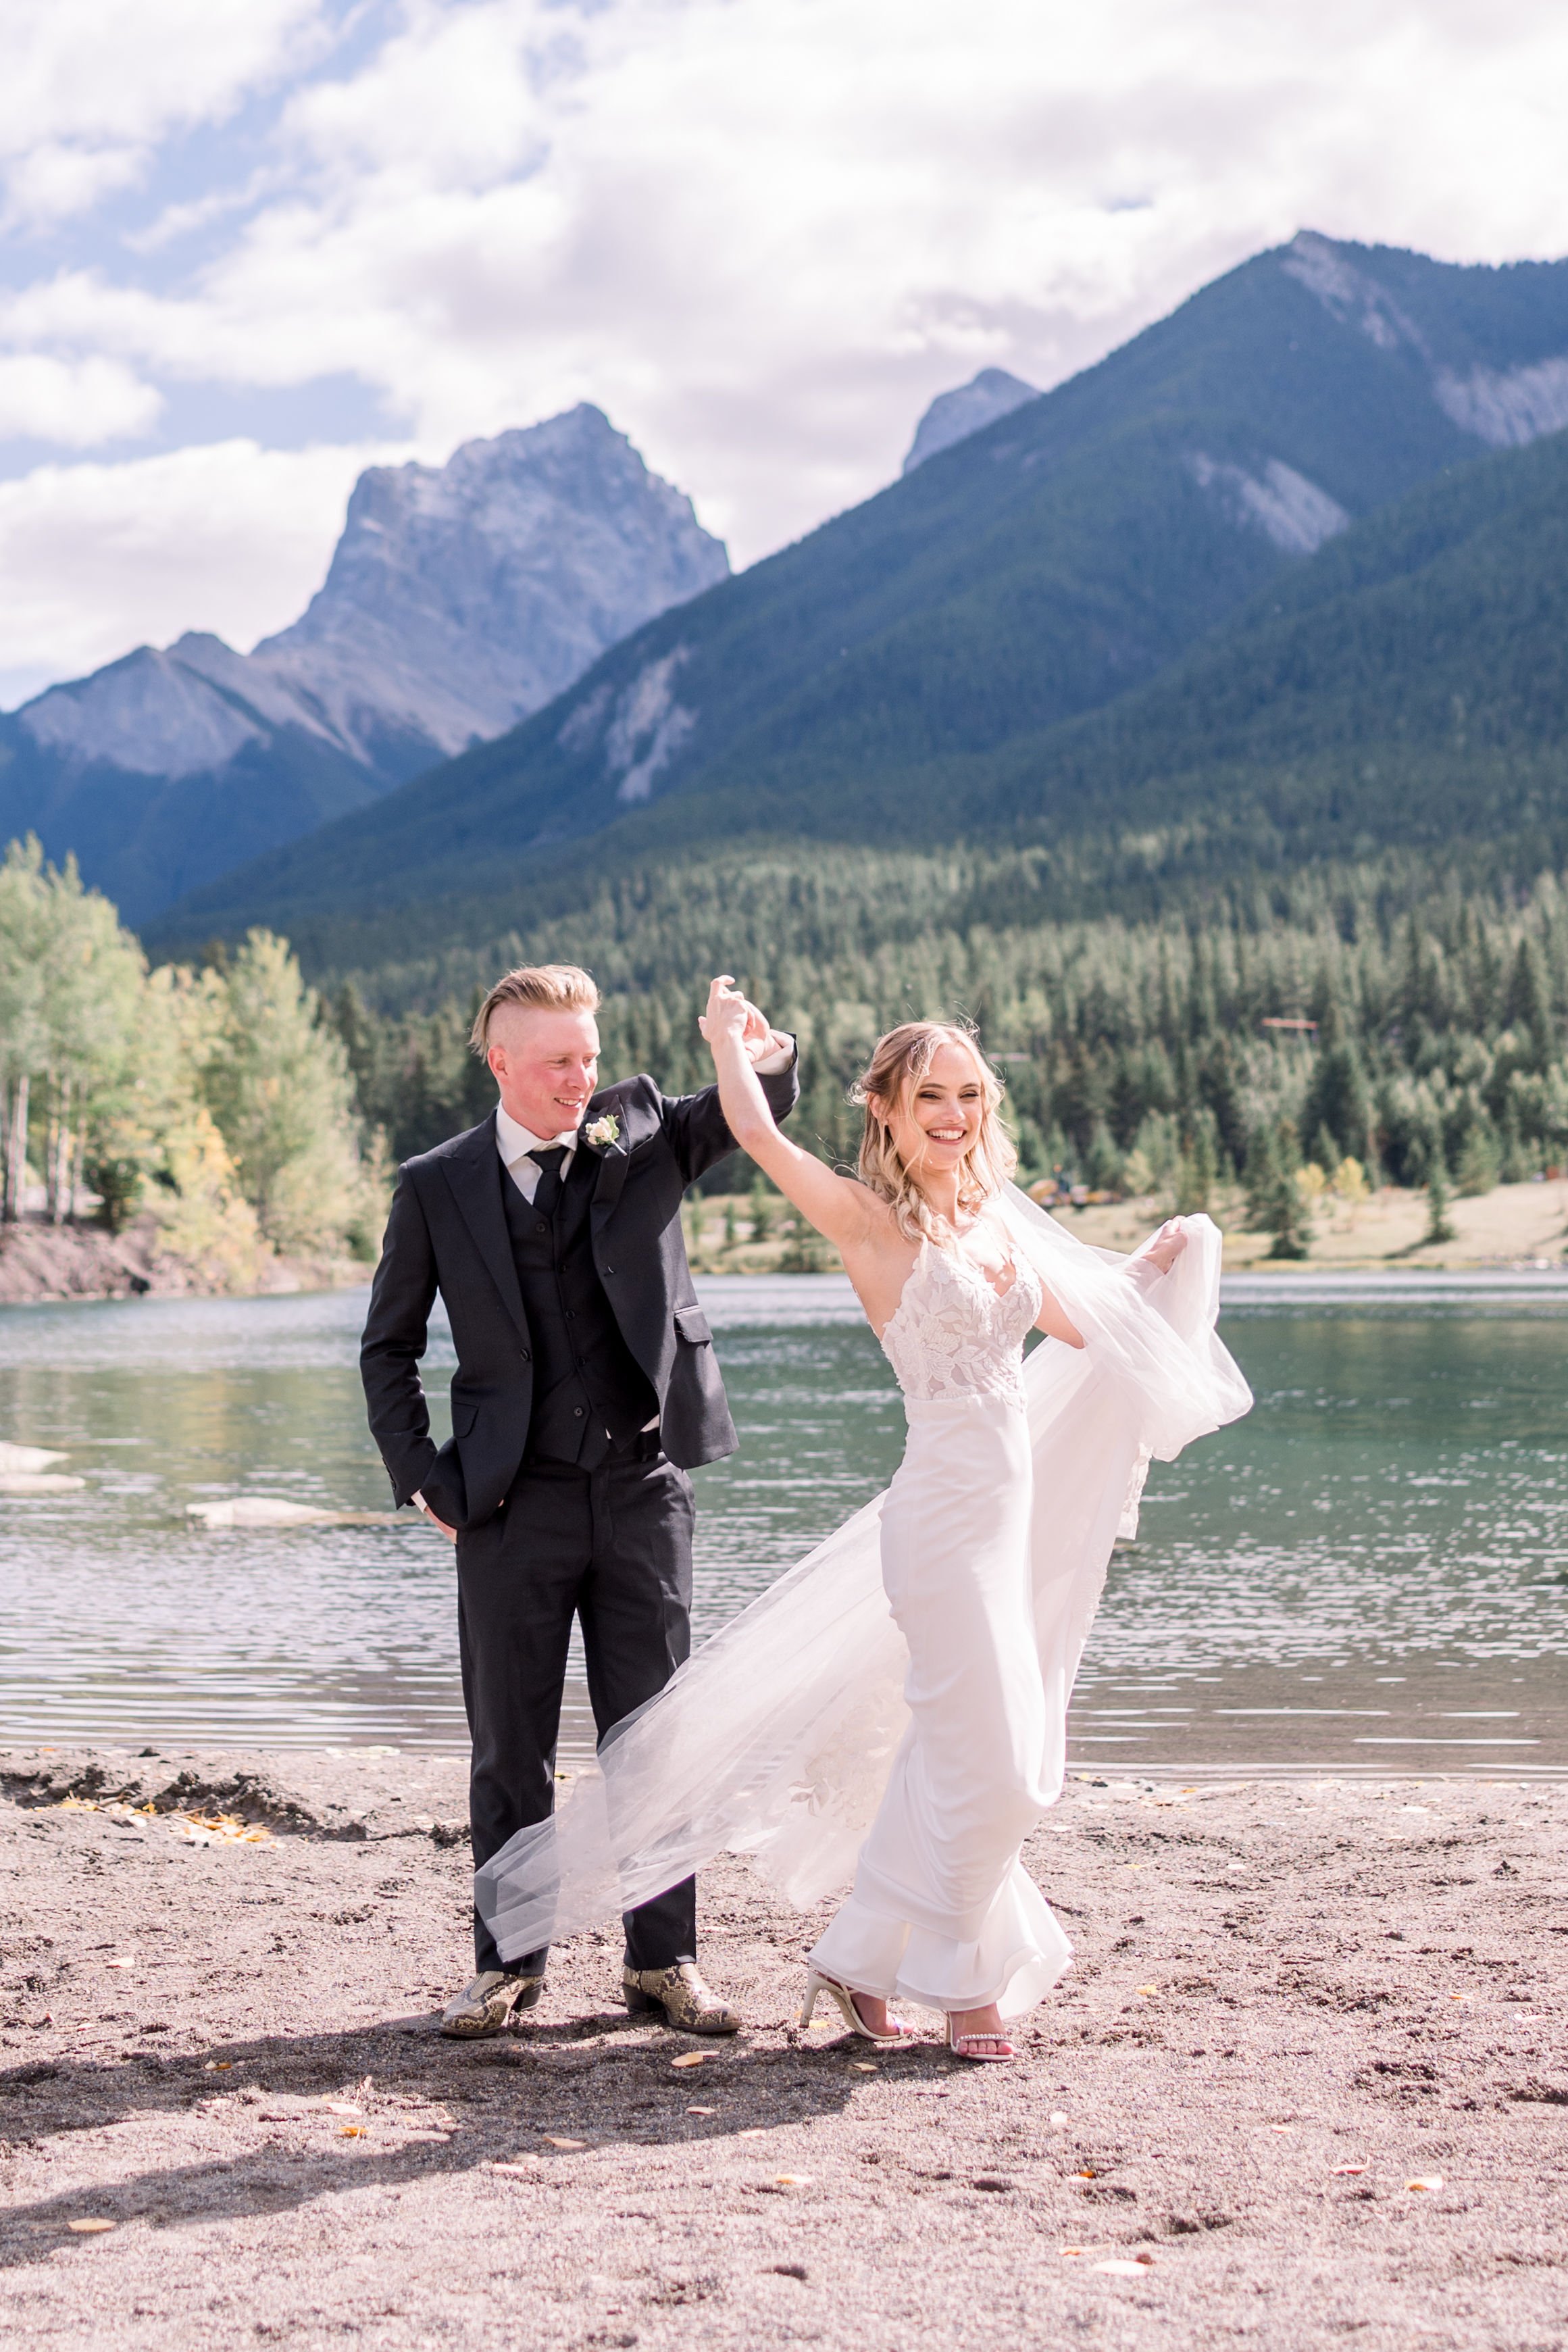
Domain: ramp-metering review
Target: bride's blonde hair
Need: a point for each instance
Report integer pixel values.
(899, 1061)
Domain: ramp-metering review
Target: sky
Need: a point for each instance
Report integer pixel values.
(249, 246)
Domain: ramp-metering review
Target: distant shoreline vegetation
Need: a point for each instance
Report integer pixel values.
(214, 1101)
(1381, 1023)
(1383, 1014)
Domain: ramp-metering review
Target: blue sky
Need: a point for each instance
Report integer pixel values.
(248, 246)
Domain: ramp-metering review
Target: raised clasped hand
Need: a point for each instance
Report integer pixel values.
(730, 1014)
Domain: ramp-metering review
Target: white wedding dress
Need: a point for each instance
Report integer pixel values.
(894, 1709)
(942, 1910)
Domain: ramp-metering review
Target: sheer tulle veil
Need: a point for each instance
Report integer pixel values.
(774, 1740)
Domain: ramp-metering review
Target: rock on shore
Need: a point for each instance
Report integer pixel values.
(1305, 2084)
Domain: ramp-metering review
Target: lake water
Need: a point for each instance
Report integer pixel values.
(1369, 1574)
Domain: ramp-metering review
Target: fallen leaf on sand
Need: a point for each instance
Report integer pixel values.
(794, 2180)
(1119, 2268)
(1146, 1989)
(702, 2111)
(1426, 2180)
(91, 2228)
(1059, 2119)
(1338, 2169)
(218, 1829)
(1088, 2173)
(863, 2066)
(691, 2058)
(551, 2141)
(1073, 2253)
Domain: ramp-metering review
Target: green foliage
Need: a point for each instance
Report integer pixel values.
(276, 1082)
(1136, 1052)
(1480, 1160)
(71, 982)
(1438, 1226)
(215, 1100)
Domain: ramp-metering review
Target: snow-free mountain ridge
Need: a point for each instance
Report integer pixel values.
(460, 598)
(953, 415)
(899, 672)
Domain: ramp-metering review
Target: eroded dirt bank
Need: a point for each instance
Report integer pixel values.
(1291, 2003)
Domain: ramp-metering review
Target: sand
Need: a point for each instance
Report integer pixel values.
(1306, 2085)
(1519, 1226)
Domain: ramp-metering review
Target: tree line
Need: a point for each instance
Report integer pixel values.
(1418, 1031)
(218, 1100)
(1401, 1029)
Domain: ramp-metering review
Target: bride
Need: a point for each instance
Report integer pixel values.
(895, 1706)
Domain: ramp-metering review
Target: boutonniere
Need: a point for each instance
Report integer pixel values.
(603, 1132)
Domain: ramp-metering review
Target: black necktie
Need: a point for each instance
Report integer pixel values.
(547, 1192)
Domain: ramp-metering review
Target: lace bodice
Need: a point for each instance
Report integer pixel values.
(953, 1335)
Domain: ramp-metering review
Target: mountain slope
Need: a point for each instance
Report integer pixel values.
(1409, 685)
(459, 598)
(879, 673)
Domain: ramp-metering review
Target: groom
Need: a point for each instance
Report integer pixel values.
(585, 1389)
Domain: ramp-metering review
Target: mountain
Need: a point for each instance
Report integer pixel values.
(459, 599)
(1408, 687)
(896, 672)
(953, 415)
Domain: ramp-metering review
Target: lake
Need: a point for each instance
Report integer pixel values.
(1369, 1574)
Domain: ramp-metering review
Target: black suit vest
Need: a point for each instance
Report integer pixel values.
(590, 1392)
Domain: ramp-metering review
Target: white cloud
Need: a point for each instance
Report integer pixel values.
(762, 234)
(90, 85)
(97, 559)
(78, 403)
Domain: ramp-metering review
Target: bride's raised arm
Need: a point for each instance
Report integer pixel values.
(843, 1212)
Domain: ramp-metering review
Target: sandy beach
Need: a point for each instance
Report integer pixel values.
(1305, 2085)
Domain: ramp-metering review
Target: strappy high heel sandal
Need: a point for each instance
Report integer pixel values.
(979, 2049)
(843, 2001)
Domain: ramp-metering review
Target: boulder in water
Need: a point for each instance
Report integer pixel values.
(24, 1461)
(275, 1511)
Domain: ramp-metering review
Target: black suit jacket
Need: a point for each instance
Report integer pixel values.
(447, 1232)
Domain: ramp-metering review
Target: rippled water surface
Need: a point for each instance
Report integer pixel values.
(1370, 1573)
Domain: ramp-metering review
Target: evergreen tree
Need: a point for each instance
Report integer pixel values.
(1277, 1204)
(1439, 1228)
(1479, 1159)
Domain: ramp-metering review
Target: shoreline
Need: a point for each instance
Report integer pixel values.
(45, 1265)
(1515, 1230)
(1305, 2080)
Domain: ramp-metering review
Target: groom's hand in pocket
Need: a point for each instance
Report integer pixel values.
(420, 1504)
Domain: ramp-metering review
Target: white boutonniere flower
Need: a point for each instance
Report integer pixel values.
(603, 1132)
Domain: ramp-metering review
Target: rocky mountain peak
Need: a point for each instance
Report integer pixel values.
(953, 415)
(462, 596)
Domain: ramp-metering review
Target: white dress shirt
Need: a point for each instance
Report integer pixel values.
(515, 1143)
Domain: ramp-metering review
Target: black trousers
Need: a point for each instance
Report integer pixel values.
(612, 1546)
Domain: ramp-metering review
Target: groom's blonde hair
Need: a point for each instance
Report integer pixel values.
(899, 1061)
(544, 987)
